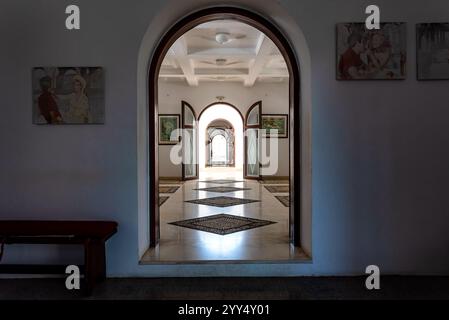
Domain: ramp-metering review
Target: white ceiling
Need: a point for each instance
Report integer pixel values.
(249, 56)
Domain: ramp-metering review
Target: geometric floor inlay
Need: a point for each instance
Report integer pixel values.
(222, 223)
(168, 189)
(222, 189)
(278, 189)
(221, 181)
(285, 200)
(162, 199)
(222, 201)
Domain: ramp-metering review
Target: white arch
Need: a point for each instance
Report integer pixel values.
(228, 113)
(168, 15)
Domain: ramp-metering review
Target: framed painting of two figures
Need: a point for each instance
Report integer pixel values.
(68, 95)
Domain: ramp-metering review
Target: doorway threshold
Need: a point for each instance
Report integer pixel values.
(193, 256)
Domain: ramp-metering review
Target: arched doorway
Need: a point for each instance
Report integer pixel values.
(282, 43)
(220, 144)
(226, 120)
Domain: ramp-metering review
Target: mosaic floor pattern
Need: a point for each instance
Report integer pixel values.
(222, 223)
(162, 199)
(285, 200)
(222, 201)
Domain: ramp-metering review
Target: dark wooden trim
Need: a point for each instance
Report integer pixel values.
(185, 103)
(91, 234)
(183, 125)
(94, 263)
(167, 178)
(275, 34)
(245, 126)
(221, 119)
(255, 104)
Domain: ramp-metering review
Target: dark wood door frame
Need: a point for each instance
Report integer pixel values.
(274, 33)
(184, 126)
(245, 138)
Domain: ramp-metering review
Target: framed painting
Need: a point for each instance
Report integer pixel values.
(277, 122)
(364, 54)
(167, 124)
(432, 51)
(68, 95)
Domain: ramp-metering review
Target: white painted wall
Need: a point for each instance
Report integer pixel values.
(380, 148)
(274, 97)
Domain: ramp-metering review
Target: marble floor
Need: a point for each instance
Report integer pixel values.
(269, 243)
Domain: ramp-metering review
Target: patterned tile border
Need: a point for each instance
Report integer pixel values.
(222, 201)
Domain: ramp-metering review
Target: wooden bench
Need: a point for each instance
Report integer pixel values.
(91, 234)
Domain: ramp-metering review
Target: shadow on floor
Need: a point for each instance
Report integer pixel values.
(307, 288)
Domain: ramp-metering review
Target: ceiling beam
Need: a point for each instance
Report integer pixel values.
(263, 50)
(168, 70)
(185, 63)
(170, 60)
(275, 72)
(222, 71)
(196, 52)
(219, 24)
(262, 75)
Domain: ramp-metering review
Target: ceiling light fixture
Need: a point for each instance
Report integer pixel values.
(220, 62)
(222, 37)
